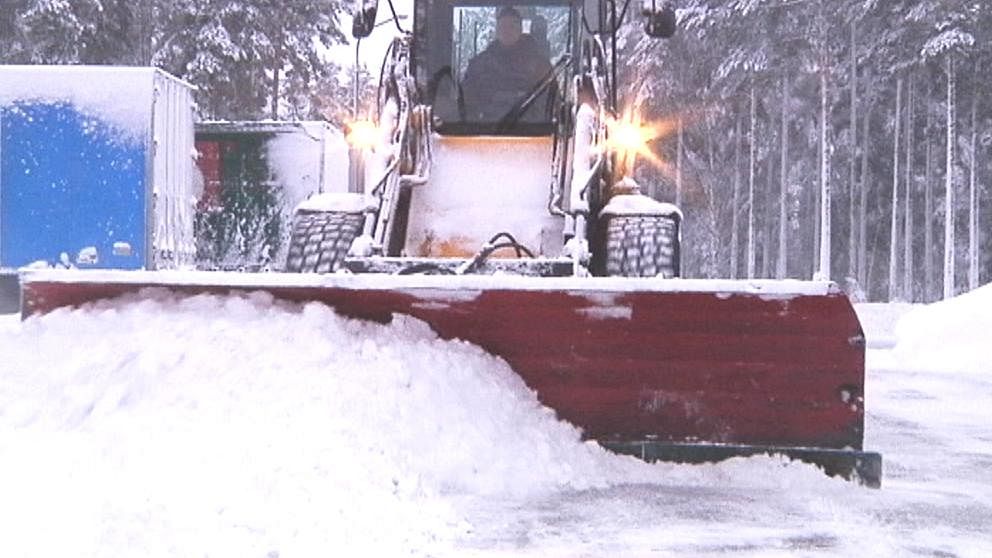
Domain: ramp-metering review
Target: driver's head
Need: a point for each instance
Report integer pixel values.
(509, 26)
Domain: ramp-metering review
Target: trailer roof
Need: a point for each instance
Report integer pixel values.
(259, 126)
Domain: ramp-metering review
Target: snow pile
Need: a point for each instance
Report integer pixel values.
(9, 323)
(119, 96)
(244, 426)
(238, 426)
(950, 336)
(879, 319)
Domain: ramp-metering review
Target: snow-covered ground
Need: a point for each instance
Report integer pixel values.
(247, 427)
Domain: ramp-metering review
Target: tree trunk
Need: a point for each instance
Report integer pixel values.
(894, 238)
(949, 182)
(852, 251)
(928, 244)
(863, 205)
(750, 188)
(813, 204)
(146, 32)
(824, 266)
(766, 224)
(735, 208)
(908, 267)
(973, 256)
(274, 113)
(782, 264)
(678, 165)
(712, 268)
(356, 82)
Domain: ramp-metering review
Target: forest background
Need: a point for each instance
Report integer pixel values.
(846, 139)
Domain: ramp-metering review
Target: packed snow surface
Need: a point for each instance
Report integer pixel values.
(243, 426)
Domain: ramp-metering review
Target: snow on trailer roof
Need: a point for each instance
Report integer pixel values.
(113, 93)
(260, 126)
(37, 71)
(470, 284)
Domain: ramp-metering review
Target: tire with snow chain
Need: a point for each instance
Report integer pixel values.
(642, 246)
(320, 240)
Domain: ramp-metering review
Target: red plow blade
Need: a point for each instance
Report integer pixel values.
(682, 370)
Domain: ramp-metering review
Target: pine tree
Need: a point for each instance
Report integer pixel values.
(77, 31)
(13, 43)
(247, 57)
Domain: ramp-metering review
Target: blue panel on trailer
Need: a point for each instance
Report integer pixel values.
(69, 182)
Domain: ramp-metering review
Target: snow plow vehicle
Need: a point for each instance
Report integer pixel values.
(500, 209)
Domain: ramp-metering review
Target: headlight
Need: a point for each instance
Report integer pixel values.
(362, 134)
(629, 137)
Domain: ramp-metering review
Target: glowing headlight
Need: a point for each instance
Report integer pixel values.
(629, 134)
(629, 137)
(362, 134)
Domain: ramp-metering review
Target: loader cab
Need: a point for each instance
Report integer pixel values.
(479, 78)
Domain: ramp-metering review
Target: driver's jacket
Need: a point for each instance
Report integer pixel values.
(499, 77)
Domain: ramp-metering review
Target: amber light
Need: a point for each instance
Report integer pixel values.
(630, 136)
(362, 134)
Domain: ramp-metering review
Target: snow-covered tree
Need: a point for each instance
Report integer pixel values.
(13, 43)
(951, 40)
(247, 56)
(77, 31)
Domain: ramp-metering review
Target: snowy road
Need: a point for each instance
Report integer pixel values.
(936, 498)
(228, 427)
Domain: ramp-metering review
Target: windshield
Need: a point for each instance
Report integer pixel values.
(497, 66)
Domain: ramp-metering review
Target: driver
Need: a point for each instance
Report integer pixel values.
(499, 77)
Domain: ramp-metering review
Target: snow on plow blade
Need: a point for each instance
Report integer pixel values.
(681, 370)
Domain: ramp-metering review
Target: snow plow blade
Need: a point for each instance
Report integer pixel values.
(681, 370)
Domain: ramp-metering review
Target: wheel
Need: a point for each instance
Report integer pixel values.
(642, 246)
(319, 242)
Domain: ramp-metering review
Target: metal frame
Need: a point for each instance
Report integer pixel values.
(221, 127)
(865, 467)
(1, 187)
(423, 24)
(150, 201)
(162, 84)
(10, 286)
(533, 267)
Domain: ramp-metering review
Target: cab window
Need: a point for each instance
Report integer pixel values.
(498, 58)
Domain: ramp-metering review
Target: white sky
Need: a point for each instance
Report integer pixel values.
(373, 48)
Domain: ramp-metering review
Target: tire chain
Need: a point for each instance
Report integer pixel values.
(320, 241)
(640, 246)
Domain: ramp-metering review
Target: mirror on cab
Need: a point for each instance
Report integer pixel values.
(660, 19)
(364, 18)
